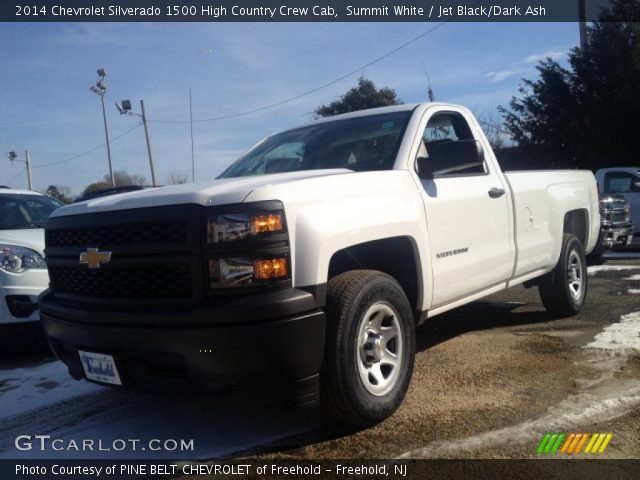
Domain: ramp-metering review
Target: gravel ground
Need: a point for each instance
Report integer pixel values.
(491, 379)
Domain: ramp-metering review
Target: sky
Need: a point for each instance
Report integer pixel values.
(48, 109)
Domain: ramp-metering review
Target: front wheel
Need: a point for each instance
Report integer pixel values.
(563, 290)
(370, 347)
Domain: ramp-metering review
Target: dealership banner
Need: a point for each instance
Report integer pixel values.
(301, 10)
(266, 469)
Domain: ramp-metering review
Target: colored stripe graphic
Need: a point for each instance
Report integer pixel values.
(573, 443)
(590, 444)
(543, 443)
(567, 443)
(581, 443)
(607, 439)
(551, 443)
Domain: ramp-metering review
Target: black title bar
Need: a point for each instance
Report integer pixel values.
(299, 11)
(264, 469)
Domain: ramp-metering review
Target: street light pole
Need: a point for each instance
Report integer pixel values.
(146, 134)
(106, 134)
(100, 89)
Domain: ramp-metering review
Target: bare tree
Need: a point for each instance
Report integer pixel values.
(177, 177)
(491, 123)
(122, 179)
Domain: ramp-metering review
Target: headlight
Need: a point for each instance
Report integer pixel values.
(15, 259)
(241, 226)
(246, 272)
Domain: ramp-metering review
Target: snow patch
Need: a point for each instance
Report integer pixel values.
(623, 336)
(602, 401)
(633, 291)
(572, 413)
(633, 277)
(24, 389)
(593, 269)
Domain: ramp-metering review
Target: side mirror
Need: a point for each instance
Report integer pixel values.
(637, 185)
(447, 158)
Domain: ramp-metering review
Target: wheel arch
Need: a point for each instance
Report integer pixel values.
(397, 256)
(576, 222)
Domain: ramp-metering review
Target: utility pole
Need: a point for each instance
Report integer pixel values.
(146, 134)
(193, 163)
(124, 107)
(28, 162)
(582, 14)
(13, 156)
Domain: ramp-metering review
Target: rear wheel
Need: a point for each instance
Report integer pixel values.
(563, 290)
(370, 347)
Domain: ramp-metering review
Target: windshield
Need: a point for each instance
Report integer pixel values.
(359, 144)
(25, 211)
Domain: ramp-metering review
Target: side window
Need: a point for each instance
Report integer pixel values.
(38, 211)
(450, 147)
(620, 182)
(442, 128)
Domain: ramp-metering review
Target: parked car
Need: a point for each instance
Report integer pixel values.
(616, 228)
(23, 274)
(309, 262)
(624, 181)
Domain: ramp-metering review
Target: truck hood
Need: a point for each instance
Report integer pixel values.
(32, 238)
(217, 192)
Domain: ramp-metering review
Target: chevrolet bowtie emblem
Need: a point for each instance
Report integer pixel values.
(94, 258)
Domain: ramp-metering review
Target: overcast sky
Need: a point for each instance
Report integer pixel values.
(46, 71)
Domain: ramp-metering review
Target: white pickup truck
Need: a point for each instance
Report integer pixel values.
(309, 262)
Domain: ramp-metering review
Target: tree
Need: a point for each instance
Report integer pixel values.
(364, 96)
(60, 193)
(177, 178)
(95, 187)
(491, 123)
(121, 178)
(586, 115)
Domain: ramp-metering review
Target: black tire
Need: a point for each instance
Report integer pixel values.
(351, 344)
(559, 297)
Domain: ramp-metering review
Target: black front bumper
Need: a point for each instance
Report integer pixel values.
(266, 340)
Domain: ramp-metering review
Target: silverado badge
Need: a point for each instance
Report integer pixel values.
(94, 258)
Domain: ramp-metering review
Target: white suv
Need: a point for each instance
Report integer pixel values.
(23, 273)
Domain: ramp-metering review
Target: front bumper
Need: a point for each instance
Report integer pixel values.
(19, 295)
(236, 349)
(618, 236)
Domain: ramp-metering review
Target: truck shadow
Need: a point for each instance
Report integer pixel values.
(228, 424)
(476, 316)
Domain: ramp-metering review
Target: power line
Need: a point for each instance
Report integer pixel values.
(88, 151)
(21, 172)
(316, 89)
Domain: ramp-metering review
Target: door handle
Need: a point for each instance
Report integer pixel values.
(496, 192)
